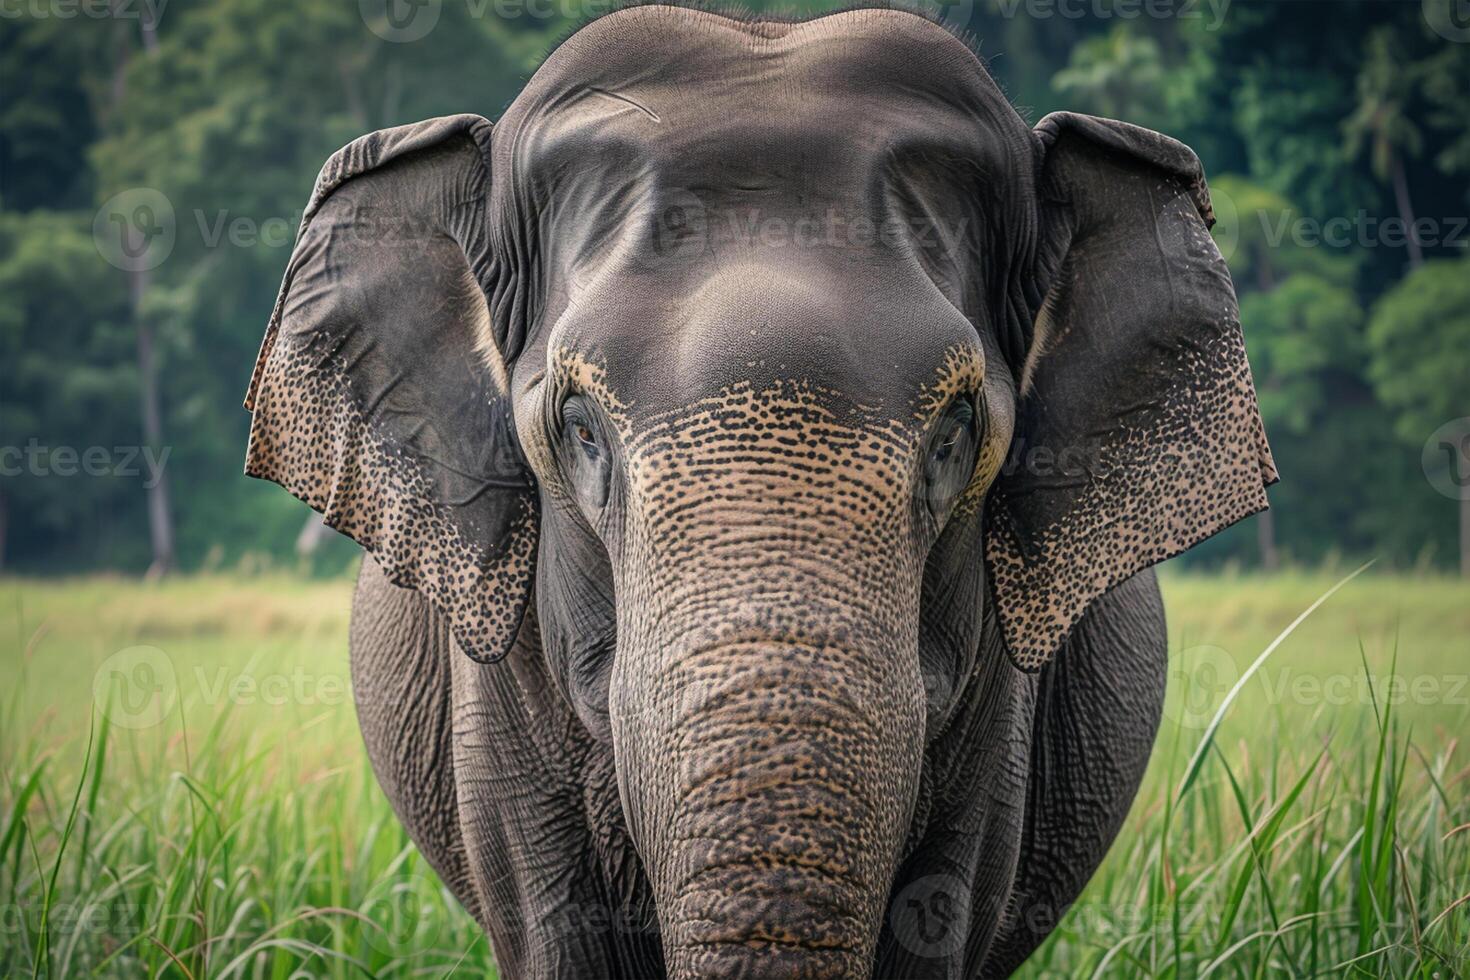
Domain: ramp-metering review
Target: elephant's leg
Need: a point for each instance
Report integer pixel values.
(1097, 712)
(401, 680)
(538, 806)
(508, 800)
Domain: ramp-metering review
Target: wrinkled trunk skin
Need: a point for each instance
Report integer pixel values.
(771, 811)
(767, 704)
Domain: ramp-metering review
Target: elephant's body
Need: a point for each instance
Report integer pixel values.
(766, 435)
(1020, 798)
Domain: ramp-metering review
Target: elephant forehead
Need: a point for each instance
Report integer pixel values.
(660, 70)
(695, 201)
(656, 108)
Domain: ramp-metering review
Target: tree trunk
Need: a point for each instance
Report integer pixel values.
(313, 533)
(1265, 274)
(1266, 539)
(1464, 505)
(148, 30)
(1406, 212)
(1465, 537)
(160, 517)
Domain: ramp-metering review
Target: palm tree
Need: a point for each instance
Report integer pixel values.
(1382, 124)
(1250, 229)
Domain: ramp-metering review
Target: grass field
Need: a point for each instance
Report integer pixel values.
(219, 819)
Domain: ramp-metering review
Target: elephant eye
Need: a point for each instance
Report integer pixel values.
(951, 440)
(950, 457)
(577, 423)
(587, 461)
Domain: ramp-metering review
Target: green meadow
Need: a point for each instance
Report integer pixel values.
(185, 793)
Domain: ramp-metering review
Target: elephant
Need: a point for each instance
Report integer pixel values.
(761, 440)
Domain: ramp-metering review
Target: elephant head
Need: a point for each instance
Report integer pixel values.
(769, 361)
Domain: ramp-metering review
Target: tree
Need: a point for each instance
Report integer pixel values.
(1445, 79)
(230, 121)
(134, 242)
(1119, 75)
(69, 387)
(1301, 322)
(1306, 354)
(1304, 338)
(44, 135)
(1252, 228)
(1382, 124)
(1419, 337)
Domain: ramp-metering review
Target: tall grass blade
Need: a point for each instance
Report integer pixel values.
(43, 949)
(1192, 770)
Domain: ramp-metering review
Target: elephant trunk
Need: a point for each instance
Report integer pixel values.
(771, 786)
(766, 700)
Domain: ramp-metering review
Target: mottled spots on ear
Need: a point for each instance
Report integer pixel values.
(1151, 492)
(371, 396)
(379, 494)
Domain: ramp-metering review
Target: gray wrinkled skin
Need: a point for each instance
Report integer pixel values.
(761, 439)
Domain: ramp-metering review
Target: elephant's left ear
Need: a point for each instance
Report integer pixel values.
(1137, 433)
(380, 396)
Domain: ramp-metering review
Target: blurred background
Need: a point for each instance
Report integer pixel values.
(155, 157)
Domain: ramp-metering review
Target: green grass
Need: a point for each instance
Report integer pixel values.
(224, 822)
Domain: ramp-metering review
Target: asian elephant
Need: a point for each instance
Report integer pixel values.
(760, 438)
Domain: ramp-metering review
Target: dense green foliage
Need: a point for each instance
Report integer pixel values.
(1325, 835)
(1322, 125)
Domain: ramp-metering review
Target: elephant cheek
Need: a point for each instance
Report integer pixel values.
(769, 785)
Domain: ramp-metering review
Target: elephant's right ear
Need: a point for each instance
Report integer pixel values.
(380, 396)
